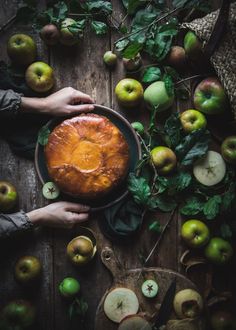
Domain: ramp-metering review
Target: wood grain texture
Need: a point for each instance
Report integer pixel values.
(82, 67)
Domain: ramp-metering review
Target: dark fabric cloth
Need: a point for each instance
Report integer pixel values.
(19, 130)
(122, 221)
(11, 224)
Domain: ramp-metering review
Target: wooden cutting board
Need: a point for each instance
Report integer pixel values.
(133, 279)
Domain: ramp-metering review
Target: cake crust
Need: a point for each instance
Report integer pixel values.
(87, 156)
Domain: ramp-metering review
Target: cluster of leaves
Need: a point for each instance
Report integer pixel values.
(93, 13)
(165, 193)
(149, 31)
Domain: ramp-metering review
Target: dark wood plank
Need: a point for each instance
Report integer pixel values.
(81, 67)
(22, 174)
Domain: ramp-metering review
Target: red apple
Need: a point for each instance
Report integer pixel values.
(176, 57)
(50, 34)
(209, 97)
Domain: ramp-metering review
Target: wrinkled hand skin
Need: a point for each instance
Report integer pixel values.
(66, 101)
(60, 214)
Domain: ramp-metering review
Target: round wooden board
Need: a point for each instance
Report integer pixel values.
(133, 280)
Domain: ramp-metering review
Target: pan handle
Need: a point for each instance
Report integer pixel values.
(113, 264)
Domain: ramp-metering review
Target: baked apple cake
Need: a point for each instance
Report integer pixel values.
(87, 156)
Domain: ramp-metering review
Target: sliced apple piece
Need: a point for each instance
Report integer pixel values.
(119, 303)
(50, 190)
(134, 322)
(211, 169)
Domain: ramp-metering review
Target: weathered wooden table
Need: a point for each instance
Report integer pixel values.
(81, 67)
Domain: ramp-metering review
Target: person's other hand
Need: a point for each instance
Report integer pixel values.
(66, 101)
(59, 214)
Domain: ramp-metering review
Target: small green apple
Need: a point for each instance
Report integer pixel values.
(39, 77)
(67, 38)
(19, 314)
(164, 159)
(8, 196)
(209, 97)
(69, 287)
(150, 288)
(81, 250)
(195, 233)
(192, 120)
(50, 34)
(21, 49)
(192, 46)
(129, 92)
(228, 149)
(176, 57)
(27, 269)
(138, 127)
(156, 96)
(110, 58)
(218, 251)
(132, 64)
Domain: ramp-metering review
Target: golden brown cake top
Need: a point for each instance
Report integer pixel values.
(87, 156)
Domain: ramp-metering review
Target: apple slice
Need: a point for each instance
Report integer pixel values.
(119, 303)
(50, 190)
(134, 322)
(210, 170)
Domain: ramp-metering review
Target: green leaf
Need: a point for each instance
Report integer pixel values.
(133, 5)
(229, 197)
(212, 207)
(120, 45)
(171, 72)
(132, 50)
(193, 205)
(99, 27)
(155, 226)
(181, 181)
(98, 6)
(139, 189)
(173, 129)
(151, 74)
(43, 135)
(162, 184)
(163, 203)
(226, 231)
(193, 146)
(169, 84)
(60, 10)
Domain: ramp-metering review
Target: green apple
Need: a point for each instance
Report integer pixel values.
(50, 34)
(218, 251)
(192, 46)
(27, 269)
(188, 303)
(8, 196)
(50, 190)
(129, 92)
(209, 97)
(222, 320)
(138, 127)
(228, 149)
(192, 120)
(176, 57)
(69, 287)
(68, 38)
(164, 159)
(81, 250)
(18, 314)
(110, 58)
(39, 77)
(149, 288)
(132, 64)
(195, 233)
(21, 49)
(156, 96)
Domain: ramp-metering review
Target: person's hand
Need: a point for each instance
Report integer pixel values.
(64, 102)
(59, 214)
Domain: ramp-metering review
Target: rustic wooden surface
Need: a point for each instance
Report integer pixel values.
(80, 67)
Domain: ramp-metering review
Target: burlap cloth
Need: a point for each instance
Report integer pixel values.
(224, 57)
